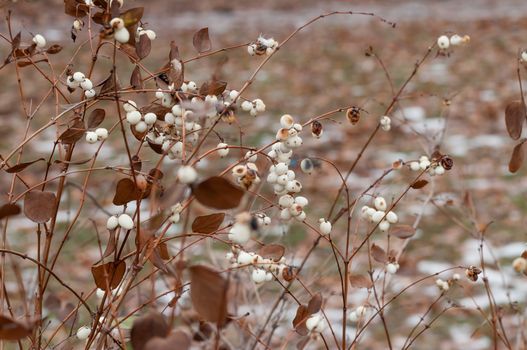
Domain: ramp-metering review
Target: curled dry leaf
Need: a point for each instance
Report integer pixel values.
(9, 209)
(143, 46)
(177, 340)
(147, 327)
(201, 40)
(208, 223)
(54, 49)
(213, 87)
(135, 79)
(73, 133)
(272, 251)
(95, 118)
(315, 303)
(39, 205)
(132, 16)
(299, 322)
(219, 193)
(378, 254)
(108, 276)
(514, 117)
(208, 292)
(419, 184)
(360, 281)
(126, 191)
(517, 157)
(176, 68)
(21, 166)
(13, 330)
(402, 231)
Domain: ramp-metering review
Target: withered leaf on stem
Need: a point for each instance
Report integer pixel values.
(126, 191)
(314, 304)
(21, 166)
(299, 322)
(201, 40)
(23, 64)
(360, 281)
(219, 193)
(178, 340)
(143, 46)
(176, 71)
(75, 8)
(38, 206)
(108, 276)
(135, 79)
(402, 231)
(73, 133)
(378, 253)
(9, 209)
(272, 251)
(146, 327)
(419, 184)
(517, 157)
(95, 118)
(54, 49)
(208, 292)
(208, 223)
(213, 87)
(13, 330)
(515, 114)
(132, 16)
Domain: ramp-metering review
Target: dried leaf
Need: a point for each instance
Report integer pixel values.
(219, 193)
(213, 87)
(112, 244)
(54, 49)
(517, 157)
(135, 79)
(208, 292)
(21, 166)
(144, 46)
(108, 276)
(419, 184)
(75, 9)
(110, 84)
(299, 322)
(378, 254)
(272, 251)
(22, 64)
(176, 71)
(201, 40)
(9, 209)
(12, 330)
(402, 231)
(178, 340)
(126, 191)
(360, 281)
(95, 118)
(208, 223)
(514, 116)
(315, 303)
(130, 51)
(73, 133)
(132, 16)
(39, 206)
(146, 327)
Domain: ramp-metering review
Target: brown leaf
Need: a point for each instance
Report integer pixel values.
(73, 133)
(144, 46)
(132, 16)
(135, 79)
(208, 292)
(54, 49)
(315, 303)
(9, 209)
(207, 223)
(130, 51)
(419, 184)
(95, 118)
(218, 193)
(213, 87)
(360, 281)
(402, 231)
(179, 340)
(514, 117)
(126, 191)
(146, 327)
(39, 205)
(517, 157)
(272, 251)
(299, 322)
(201, 40)
(22, 64)
(21, 166)
(75, 9)
(12, 330)
(111, 84)
(108, 276)
(378, 253)
(112, 244)
(176, 71)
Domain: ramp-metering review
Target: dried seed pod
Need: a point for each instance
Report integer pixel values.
(472, 273)
(353, 115)
(316, 129)
(447, 162)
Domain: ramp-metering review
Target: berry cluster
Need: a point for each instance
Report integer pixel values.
(386, 123)
(316, 323)
(98, 135)
(262, 46)
(79, 79)
(444, 42)
(253, 107)
(378, 214)
(425, 163)
(124, 221)
(264, 269)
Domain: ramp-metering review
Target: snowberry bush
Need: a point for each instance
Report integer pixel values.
(190, 223)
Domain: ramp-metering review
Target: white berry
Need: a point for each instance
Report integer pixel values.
(126, 222)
